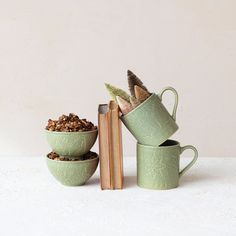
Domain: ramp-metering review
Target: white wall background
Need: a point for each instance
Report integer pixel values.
(55, 56)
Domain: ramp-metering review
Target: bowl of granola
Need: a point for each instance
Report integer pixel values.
(70, 135)
(72, 171)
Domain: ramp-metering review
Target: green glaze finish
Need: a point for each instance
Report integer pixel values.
(150, 122)
(158, 167)
(72, 173)
(71, 143)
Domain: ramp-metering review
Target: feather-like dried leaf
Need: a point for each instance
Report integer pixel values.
(134, 80)
(140, 93)
(114, 91)
(125, 106)
(134, 102)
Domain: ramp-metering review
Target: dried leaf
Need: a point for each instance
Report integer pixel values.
(140, 93)
(134, 102)
(134, 80)
(114, 91)
(125, 106)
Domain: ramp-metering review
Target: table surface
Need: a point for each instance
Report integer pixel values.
(33, 203)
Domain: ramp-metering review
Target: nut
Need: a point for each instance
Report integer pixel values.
(70, 123)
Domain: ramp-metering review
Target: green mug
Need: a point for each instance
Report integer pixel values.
(158, 166)
(150, 122)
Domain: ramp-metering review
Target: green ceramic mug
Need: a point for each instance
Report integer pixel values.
(150, 122)
(158, 166)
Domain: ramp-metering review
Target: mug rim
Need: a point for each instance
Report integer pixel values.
(139, 106)
(176, 144)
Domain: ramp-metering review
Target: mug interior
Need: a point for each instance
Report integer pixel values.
(140, 105)
(169, 142)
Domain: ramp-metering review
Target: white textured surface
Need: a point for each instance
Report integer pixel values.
(33, 203)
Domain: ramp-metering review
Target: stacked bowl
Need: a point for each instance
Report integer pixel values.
(78, 163)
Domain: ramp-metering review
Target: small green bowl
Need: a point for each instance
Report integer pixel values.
(72, 173)
(71, 143)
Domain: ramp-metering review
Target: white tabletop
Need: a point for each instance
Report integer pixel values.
(33, 203)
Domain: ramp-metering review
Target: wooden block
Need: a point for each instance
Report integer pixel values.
(110, 146)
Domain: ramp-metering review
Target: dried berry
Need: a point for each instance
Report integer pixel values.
(70, 123)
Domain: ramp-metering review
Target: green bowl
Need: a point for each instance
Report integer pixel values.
(71, 143)
(72, 173)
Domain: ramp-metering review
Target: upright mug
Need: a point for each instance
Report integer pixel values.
(158, 166)
(150, 122)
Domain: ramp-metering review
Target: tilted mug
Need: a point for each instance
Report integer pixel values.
(150, 122)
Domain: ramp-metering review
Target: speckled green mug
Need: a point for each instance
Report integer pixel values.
(158, 166)
(150, 122)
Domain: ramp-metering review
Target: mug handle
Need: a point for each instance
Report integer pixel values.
(182, 149)
(176, 99)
